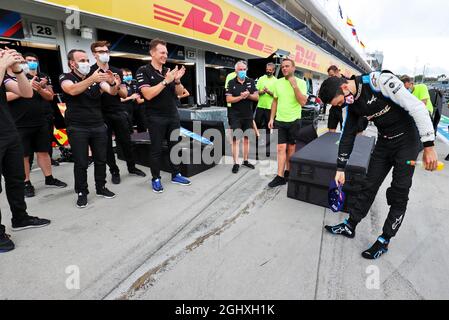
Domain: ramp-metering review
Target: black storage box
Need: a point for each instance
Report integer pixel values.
(314, 167)
(142, 150)
(310, 115)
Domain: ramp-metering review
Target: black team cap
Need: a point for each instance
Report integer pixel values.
(330, 89)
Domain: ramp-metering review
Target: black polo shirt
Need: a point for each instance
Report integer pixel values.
(7, 127)
(164, 104)
(244, 108)
(109, 104)
(83, 110)
(29, 112)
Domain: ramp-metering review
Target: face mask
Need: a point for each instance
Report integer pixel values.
(410, 90)
(83, 68)
(128, 78)
(25, 67)
(33, 65)
(104, 58)
(349, 99)
(269, 74)
(242, 74)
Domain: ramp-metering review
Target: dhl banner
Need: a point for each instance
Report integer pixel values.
(61, 136)
(211, 21)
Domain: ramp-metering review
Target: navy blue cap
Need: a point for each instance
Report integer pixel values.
(336, 196)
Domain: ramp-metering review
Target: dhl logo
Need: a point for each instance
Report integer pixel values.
(306, 57)
(207, 17)
(61, 136)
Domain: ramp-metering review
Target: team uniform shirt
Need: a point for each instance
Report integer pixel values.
(109, 104)
(29, 112)
(421, 92)
(164, 104)
(7, 126)
(382, 98)
(265, 100)
(83, 110)
(288, 108)
(244, 108)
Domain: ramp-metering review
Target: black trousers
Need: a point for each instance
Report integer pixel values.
(119, 125)
(80, 140)
(389, 154)
(136, 113)
(11, 167)
(262, 118)
(160, 129)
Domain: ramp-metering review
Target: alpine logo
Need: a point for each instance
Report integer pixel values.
(373, 99)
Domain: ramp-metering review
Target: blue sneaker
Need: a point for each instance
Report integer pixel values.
(157, 186)
(379, 248)
(179, 179)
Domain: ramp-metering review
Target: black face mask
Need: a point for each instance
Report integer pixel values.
(269, 74)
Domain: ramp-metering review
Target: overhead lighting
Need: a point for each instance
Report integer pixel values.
(189, 63)
(146, 58)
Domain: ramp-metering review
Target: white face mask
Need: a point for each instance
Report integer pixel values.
(25, 67)
(83, 68)
(104, 58)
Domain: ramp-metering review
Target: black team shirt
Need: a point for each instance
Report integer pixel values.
(29, 112)
(164, 104)
(110, 104)
(244, 108)
(83, 110)
(7, 127)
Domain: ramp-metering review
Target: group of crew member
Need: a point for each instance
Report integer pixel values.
(102, 101)
(279, 103)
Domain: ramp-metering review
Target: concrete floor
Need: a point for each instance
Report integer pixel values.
(225, 237)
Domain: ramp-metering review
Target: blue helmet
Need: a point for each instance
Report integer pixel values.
(336, 196)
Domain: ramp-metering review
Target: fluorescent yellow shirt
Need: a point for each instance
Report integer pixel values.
(421, 92)
(288, 109)
(265, 100)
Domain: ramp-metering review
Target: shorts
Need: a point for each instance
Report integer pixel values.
(243, 124)
(335, 117)
(35, 139)
(287, 131)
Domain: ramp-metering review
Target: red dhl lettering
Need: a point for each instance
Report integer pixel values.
(207, 17)
(306, 57)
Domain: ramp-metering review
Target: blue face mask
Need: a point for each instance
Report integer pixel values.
(410, 90)
(242, 74)
(127, 78)
(33, 65)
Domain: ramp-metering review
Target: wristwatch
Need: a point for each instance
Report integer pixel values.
(19, 72)
(177, 83)
(164, 83)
